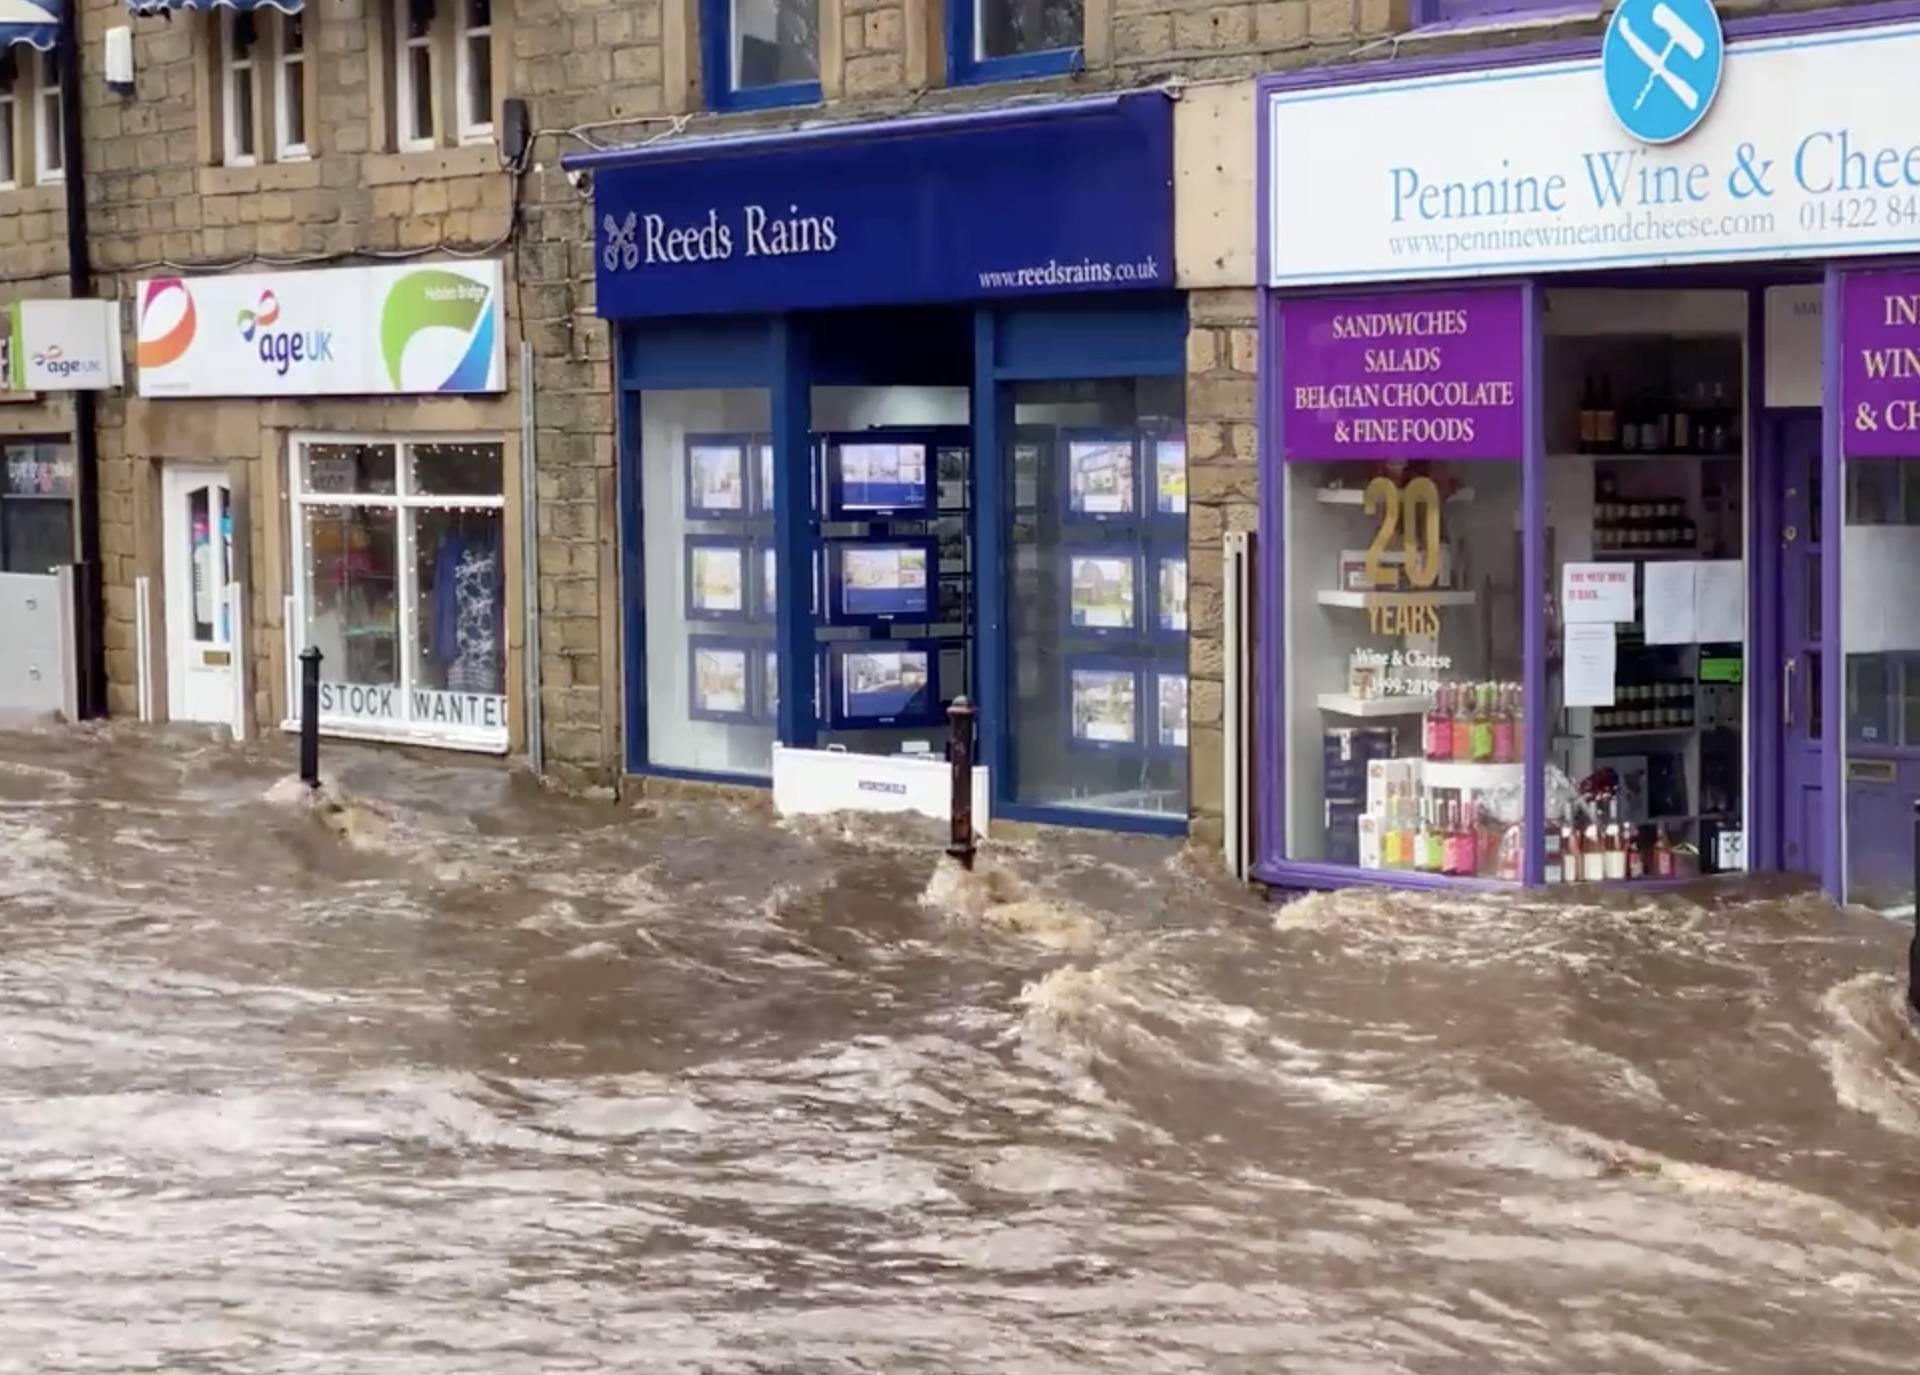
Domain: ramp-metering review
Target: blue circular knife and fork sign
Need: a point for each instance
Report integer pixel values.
(1662, 61)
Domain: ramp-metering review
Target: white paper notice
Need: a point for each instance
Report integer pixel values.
(1595, 592)
(1589, 666)
(1720, 602)
(1670, 619)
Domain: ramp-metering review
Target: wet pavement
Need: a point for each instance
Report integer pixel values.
(453, 1075)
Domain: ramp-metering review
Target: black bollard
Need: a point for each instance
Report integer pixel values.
(1913, 949)
(960, 755)
(310, 716)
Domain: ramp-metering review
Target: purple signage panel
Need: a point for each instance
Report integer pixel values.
(1416, 374)
(1880, 365)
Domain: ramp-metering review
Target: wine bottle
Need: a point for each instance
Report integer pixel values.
(1505, 743)
(1462, 843)
(1607, 424)
(1461, 746)
(1589, 416)
(1722, 420)
(1593, 854)
(1483, 724)
(1409, 833)
(1438, 726)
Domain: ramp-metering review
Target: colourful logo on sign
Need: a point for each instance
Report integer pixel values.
(433, 298)
(1662, 62)
(265, 315)
(157, 349)
(54, 362)
(280, 349)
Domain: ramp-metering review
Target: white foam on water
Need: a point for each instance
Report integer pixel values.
(993, 898)
(1873, 1051)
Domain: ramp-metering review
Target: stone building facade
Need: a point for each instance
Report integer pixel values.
(385, 172)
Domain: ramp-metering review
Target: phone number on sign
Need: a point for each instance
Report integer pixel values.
(1861, 212)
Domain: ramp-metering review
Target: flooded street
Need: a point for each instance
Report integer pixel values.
(453, 1075)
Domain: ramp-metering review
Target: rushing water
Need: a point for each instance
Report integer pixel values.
(448, 1074)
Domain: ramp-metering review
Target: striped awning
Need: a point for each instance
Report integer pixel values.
(35, 23)
(165, 6)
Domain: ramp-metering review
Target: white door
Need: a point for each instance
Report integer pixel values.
(199, 532)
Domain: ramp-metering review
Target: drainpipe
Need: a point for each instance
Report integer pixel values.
(90, 638)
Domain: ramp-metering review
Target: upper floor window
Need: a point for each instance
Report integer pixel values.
(261, 61)
(33, 145)
(9, 123)
(473, 56)
(759, 53)
(996, 40)
(442, 73)
(49, 124)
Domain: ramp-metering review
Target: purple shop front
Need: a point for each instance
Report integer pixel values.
(1880, 553)
(1408, 375)
(1704, 391)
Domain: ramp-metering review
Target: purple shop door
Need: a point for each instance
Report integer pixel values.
(1795, 474)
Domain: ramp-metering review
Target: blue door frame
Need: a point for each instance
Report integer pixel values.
(776, 353)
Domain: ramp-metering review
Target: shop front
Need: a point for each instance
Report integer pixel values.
(333, 467)
(1590, 468)
(47, 348)
(932, 373)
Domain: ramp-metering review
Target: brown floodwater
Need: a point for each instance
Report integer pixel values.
(451, 1074)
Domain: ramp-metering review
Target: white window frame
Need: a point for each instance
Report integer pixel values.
(404, 45)
(290, 89)
(235, 69)
(405, 503)
(10, 137)
(49, 129)
(475, 126)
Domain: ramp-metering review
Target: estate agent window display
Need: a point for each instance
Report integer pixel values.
(400, 580)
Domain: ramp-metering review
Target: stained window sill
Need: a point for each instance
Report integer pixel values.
(243, 181)
(33, 200)
(1025, 67)
(391, 169)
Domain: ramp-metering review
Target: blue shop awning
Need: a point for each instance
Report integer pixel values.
(167, 6)
(35, 23)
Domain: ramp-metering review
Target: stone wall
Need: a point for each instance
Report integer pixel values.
(605, 73)
(1223, 491)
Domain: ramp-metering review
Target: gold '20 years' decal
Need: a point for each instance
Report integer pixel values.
(1402, 509)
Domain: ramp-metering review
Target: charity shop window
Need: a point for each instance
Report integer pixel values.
(996, 40)
(442, 77)
(761, 53)
(36, 505)
(400, 577)
(260, 58)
